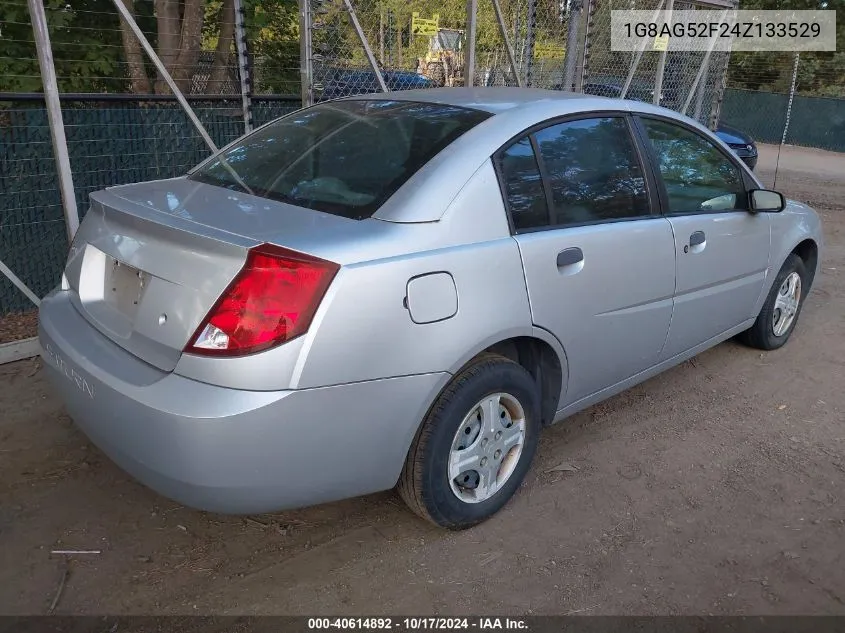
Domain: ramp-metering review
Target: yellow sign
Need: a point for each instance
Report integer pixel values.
(548, 51)
(661, 43)
(424, 26)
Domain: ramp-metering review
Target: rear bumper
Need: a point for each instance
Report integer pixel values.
(227, 450)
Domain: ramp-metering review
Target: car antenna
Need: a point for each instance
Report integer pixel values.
(788, 115)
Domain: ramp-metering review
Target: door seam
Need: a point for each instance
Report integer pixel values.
(674, 290)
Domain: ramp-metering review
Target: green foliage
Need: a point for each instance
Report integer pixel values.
(89, 56)
(88, 51)
(819, 74)
(273, 35)
(86, 44)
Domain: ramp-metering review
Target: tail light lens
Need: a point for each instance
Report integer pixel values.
(270, 301)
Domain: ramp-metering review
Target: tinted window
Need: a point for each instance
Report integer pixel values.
(698, 176)
(343, 158)
(593, 171)
(523, 186)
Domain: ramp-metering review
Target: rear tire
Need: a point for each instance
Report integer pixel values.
(475, 446)
(780, 312)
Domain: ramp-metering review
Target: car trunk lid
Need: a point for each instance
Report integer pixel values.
(150, 260)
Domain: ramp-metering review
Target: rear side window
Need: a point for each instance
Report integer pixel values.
(346, 158)
(593, 170)
(590, 167)
(523, 186)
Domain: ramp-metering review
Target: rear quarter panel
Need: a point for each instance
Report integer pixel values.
(363, 330)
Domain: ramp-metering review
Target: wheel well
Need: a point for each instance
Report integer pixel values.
(808, 251)
(542, 362)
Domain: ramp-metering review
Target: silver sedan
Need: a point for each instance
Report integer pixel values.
(401, 290)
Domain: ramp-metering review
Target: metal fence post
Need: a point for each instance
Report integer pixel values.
(585, 53)
(716, 107)
(788, 117)
(133, 25)
(661, 62)
(381, 34)
(702, 88)
(497, 8)
(54, 114)
(716, 104)
(702, 70)
(243, 65)
(469, 59)
(306, 74)
(575, 8)
(638, 56)
(581, 63)
(530, 35)
(16, 281)
(366, 45)
(791, 99)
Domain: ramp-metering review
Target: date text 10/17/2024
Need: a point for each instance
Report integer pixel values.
(418, 624)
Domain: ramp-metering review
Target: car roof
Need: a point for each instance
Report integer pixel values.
(493, 99)
(506, 99)
(514, 110)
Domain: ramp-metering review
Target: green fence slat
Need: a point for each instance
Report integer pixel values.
(109, 143)
(814, 121)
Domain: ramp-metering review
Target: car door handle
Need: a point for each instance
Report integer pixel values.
(697, 238)
(570, 257)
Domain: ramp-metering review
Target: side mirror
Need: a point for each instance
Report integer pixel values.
(764, 200)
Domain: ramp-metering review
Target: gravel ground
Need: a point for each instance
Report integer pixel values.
(18, 326)
(713, 488)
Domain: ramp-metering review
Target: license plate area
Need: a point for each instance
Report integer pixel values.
(123, 287)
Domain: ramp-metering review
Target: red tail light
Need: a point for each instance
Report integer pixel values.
(271, 300)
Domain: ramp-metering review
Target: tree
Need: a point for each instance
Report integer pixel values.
(85, 41)
(95, 52)
(819, 73)
(139, 82)
(223, 48)
(272, 30)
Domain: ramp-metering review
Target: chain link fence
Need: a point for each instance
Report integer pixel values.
(413, 44)
(537, 32)
(243, 62)
(112, 140)
(687, 81)
(422, 44)
(121, 120)
(798, 99)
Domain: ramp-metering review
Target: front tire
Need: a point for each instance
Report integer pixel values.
(779, 314)
(475, 446)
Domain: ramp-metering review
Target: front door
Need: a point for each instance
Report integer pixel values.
(599, 264)
(722, 250)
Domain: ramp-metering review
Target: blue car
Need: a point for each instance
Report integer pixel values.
(742, 144)
(344, 82)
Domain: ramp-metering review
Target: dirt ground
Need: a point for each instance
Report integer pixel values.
(716, 487)
(18, 326)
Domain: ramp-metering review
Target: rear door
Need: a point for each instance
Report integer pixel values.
(722, 250)
(599, 262)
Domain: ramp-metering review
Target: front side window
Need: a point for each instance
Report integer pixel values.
(593, 171)
(697, 175)
(346, 158)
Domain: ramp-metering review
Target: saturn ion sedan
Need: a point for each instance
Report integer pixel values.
(401, 290)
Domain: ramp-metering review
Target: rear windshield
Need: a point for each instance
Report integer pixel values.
(346, 158)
